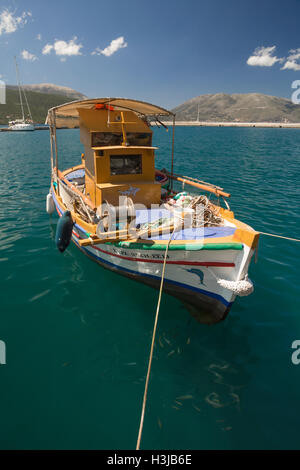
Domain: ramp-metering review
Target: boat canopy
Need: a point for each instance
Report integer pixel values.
(68, 113)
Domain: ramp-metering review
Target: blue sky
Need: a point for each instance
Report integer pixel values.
(169, 51)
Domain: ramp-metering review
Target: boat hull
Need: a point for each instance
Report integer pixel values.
(192, 270)
(204, 307)
(198, 290)
(21, 127)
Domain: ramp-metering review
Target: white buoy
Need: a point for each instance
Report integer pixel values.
(50, 206)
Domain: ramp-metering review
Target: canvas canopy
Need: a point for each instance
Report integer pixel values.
(69, 111)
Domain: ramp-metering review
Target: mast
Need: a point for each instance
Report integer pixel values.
(198, 114)
(19, 86)
(29, 112)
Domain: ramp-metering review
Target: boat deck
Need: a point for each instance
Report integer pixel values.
(152, 215)
(149, 216)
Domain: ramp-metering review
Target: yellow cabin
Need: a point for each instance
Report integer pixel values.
(119, 157)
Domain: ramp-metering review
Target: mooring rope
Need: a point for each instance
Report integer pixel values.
(152, 345)
(155, 328)
(279, 236)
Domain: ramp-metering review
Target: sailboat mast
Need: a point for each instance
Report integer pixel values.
(19, 86)
(29, 112)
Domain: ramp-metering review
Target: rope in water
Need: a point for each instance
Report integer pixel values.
(152, 346)
(279, 236)
(155, 328)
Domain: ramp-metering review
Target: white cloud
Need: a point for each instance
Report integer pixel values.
(26, 55)
(263, 57)
(67, 48)
(9, 23)
(63, 48)
(291, 61)
(113, 47)
(47, 49)
(39, 37)
(291, 65)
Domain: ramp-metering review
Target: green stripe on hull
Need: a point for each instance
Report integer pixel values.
(183, 247)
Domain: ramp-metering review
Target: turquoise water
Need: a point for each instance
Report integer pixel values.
(78, 336)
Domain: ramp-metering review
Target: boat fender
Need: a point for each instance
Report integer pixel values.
(242, 288)
(64, 231)
(50, 206)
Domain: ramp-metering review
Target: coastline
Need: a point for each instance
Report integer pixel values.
(286, 125)
(295, 125)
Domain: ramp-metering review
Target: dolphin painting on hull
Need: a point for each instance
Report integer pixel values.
(199, 273)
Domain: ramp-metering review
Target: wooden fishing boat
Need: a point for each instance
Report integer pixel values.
(123, 213)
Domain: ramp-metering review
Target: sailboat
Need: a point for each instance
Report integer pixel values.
(22, 124)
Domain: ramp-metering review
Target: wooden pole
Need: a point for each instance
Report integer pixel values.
(55, 143)
(210, 189)
(173, 141)
(51, 146)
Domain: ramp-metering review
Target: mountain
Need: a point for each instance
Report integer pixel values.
(51, 89)
(39, 104)
(56, 90)
(250, 107)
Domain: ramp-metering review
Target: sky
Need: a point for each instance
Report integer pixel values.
(161, 51)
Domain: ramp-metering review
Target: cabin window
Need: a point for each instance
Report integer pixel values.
(105, 139)
(126, 164)
(139, 138)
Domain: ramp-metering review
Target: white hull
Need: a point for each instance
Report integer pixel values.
(191, 275)
(22, 127)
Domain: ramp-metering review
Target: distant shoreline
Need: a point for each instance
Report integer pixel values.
(38, 127)
(235, 124)
(283, 125)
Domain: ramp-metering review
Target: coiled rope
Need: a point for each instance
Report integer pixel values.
(152, 345)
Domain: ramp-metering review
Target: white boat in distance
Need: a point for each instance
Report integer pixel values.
(22, 124)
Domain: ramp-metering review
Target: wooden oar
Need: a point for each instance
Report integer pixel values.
(211, 189)
(126, 235)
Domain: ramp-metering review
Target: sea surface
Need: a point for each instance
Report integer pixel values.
(78, 336)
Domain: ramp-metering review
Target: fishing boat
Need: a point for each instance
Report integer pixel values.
(132, 218)
(24, 124)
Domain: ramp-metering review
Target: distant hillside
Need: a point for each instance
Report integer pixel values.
(39, 104)
(250, 107)
(56, 89)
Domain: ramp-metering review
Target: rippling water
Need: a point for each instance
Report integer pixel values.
(78, 336)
